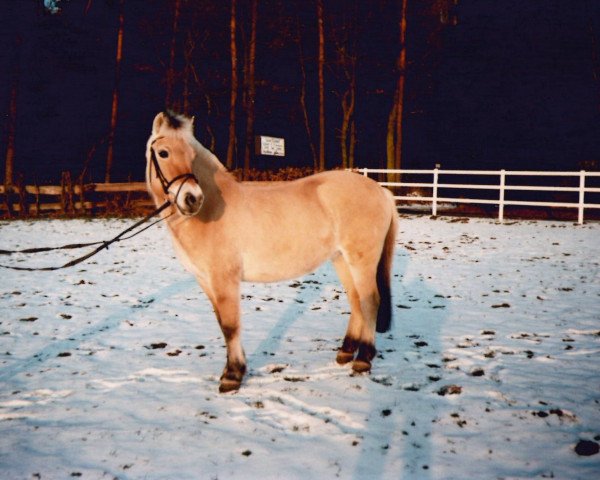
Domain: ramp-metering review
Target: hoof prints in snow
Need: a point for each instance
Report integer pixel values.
(490, 369)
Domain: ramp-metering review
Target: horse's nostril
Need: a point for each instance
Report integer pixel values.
(190, 200)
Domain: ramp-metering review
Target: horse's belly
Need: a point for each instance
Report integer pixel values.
(284, 263)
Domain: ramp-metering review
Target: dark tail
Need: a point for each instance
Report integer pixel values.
(384, 278)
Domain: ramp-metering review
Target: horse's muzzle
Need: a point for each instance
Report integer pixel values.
(189, 199)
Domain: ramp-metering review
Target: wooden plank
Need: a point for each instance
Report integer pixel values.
(120, 187)
(55, 206)
(90, 187)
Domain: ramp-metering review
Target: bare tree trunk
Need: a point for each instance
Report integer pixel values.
(595, 51)
(187, 53)
(391, 131)
(171, 70)
(321, 63)
(303, 101)
(115, 98)
(394, 159)
(11, 127)
(212, 144)
(352, 144)
(344, 130)
(251, 92)
(188, 72)
(344, 39)
(234, 87)
(401, 81)
(346, 137)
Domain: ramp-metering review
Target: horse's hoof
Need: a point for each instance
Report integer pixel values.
(361, 366)
(343, 358)
(228, 385)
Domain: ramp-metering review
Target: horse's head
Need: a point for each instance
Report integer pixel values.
(169, 159)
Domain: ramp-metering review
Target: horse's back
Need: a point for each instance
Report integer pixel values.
(289, 228)
(337, 196)
(355, 200)
(358, 211)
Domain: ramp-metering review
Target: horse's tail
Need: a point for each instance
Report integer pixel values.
(384, 276)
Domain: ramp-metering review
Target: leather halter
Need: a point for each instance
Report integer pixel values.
(166, 184)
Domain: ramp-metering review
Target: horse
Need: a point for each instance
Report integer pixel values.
(225, 232)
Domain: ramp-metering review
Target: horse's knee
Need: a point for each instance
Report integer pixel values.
(369, 304)
(230, 332)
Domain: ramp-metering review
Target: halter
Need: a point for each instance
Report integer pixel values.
(166, 184)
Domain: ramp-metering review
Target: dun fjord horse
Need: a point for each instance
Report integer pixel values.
(226, 232)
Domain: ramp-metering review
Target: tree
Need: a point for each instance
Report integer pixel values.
(115, 97)
(170, 83)
(321, 63)
(249, 78)
(188, 72)
(11, 128)
(345, 39)
(394, 133)
(303, 106)
(348, 129)
(196, 46)
(231, 146)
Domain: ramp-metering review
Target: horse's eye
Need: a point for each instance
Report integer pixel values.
(163, 154)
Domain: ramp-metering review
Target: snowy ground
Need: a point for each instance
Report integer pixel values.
(492, 368)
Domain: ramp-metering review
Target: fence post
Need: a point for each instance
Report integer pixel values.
(23, 207)
(37, 200)
(501, 199)
(366, 172)
(435, 192)
(581, 197)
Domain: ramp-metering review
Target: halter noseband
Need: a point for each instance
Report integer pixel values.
(166, 184)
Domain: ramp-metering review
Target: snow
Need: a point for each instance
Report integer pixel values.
(491, 370)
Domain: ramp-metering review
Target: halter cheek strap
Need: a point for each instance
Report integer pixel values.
(166, 184)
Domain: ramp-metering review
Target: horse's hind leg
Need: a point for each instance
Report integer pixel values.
(351, 339)
(225, 297)
(365, 283)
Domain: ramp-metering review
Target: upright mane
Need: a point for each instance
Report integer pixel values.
(171, 124)
(176, 121)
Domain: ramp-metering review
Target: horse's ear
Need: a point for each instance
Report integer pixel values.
(159, 121)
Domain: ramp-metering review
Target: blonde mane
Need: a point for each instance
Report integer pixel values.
(181, 127)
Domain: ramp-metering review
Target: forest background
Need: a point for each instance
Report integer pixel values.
(467, 84)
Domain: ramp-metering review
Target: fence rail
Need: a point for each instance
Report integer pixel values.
(72, 198)
(502, 184)
(80, 198)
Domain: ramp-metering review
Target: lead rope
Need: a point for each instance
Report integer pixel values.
(102, 244)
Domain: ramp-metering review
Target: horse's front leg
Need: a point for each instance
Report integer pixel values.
(225, 297)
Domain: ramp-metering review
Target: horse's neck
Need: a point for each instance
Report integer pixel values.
(218, 185)
(205, 157)
(207, 162)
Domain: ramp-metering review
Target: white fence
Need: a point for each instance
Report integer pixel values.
(501, 183)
